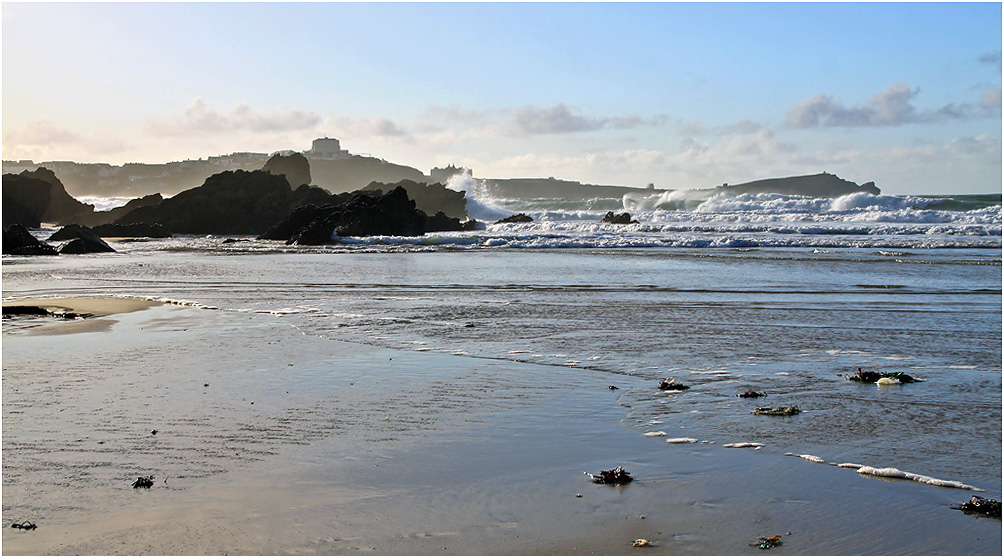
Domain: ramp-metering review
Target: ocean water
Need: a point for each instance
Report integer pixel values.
(779, 294)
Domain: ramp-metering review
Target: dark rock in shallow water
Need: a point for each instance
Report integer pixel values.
(623, 218)
(81, 240)
(17, 240)
(515, 219)
(83, 245)
(777, 411)
(430, 199)
(672, 385)
(613, 476)
(229, 203)
(131, 230)
(980, 506)
(881, 377)
(294, 166)
(359, 214)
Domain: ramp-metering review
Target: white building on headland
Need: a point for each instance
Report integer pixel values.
(327, 148)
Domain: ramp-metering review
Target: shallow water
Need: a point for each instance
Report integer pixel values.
(496, 351)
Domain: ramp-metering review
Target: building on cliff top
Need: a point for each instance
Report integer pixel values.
(327, 148)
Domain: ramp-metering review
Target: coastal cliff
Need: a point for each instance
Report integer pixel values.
(822, 185)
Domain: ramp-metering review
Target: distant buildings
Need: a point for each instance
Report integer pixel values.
(327, 148)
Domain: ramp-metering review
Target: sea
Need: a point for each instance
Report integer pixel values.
(778, 294)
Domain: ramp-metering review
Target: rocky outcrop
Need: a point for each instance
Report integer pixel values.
(822, 185)
(229, 203)
(293, 165)
(17, 240)
(109, 216)
(429, 198)
(623, 218)
(39, 194)
(131, 230)
(358, 214)
(515, 219)
(79, 240)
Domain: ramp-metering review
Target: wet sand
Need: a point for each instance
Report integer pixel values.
(269, 441)
(92, 312)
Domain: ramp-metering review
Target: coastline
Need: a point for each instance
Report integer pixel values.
(273, 442)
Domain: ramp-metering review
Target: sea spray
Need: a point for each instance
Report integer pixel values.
(481, 205)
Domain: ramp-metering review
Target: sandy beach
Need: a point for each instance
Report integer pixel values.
(270, 441)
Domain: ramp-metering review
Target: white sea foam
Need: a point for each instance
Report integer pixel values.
(890, 472)
(744, 444)
(655, 434)
(681, 440)
(810, 458)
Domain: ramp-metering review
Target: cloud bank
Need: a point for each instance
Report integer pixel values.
(891, 107)
(200, 118)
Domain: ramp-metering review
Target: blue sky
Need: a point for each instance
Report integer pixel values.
(683, 95)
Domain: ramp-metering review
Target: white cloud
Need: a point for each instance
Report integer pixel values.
(46, 140)
(893, 106)
(200, 119)
(530, 120)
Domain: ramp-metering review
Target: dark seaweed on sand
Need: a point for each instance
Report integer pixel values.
(613, 476)
(981, 507)
(873, 376)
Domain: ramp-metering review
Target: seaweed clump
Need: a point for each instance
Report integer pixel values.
(877, 376)
(981, 507)
(613, 476)
(777, 411)
(768, 542)
(143, 482)
(672, 385)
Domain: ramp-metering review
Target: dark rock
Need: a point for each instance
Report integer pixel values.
(72, 231)
(131, 230)
(980, 506)
(515, 219)
(293, 165)
(83, 246)
(672, 385)
(110, 216)
(624, 218)
(875, 376)
(143, 482)
(40, 194)
(14, 212)
(613, 476)
(441, 222)
(359, 214)
(81, 240)
(777, 411)
(751, 395)
(229, 203)
(12, 310)
(430, 199)
(17, 240)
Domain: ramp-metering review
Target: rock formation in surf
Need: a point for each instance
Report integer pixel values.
(429, 198)
(229, 203)
(17, 240)
(358, 214)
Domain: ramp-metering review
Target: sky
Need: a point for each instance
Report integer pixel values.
(680, 95)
